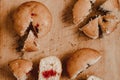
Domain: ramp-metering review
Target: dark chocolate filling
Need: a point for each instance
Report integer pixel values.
(88, 65)
(104, 20)
(22, 39)
(33, 29)
(100, 32)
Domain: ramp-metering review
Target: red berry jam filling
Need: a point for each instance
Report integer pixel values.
(36, 28)
(37, 25)
(33, 14)
(49, 73)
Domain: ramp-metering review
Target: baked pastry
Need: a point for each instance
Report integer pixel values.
(110, 5)
(81, 10)
(35, 13)
(81, 60)
(50, 68)
(108, 23)
(93, 78)
(20, 68)
(31, 20)
(30, 43)
(91, 29)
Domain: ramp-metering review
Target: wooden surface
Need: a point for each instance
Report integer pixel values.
(62, 40)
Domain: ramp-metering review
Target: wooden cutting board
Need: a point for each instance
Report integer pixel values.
(61, 41)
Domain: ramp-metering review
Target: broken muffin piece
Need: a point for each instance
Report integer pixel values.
(81, 60)
(50, 68)
(20, 68)
(30, 43)
(81, 10)
(91, 29)
(108, 23)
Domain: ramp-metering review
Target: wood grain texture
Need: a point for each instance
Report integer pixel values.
(61, 41)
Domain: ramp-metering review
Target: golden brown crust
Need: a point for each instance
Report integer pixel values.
(20, 67)
(91, 29)
(80, 60)
(34, 12)
(81, 10)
